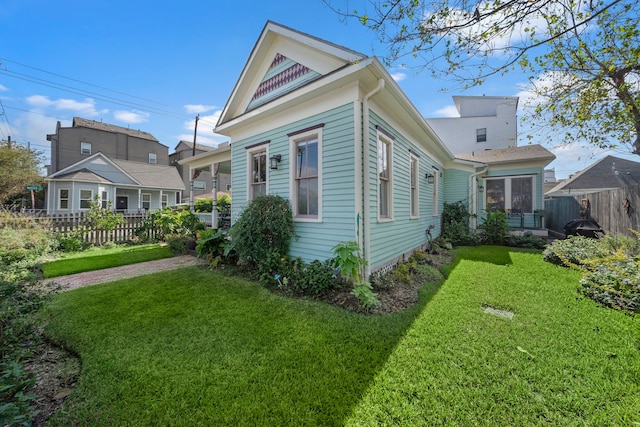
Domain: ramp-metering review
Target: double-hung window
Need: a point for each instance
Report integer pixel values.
(385, 196)
(481, 135)
(153, 158)
(514, 194)
(105, 200)
(165, 201)
(63, 199)
(306, 173)
(413, 188)
(258, 173)
(85, 198)
(85, 148)
(146, 201)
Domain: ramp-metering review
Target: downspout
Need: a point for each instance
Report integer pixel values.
(473, 193)
(366, 204)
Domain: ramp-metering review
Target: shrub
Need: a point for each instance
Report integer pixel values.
(203, 205)
(614, 281)
(573, 251)
(526, 241)
(493, 230)
(455, 225)
(169, 221)
(177, 244)
(265, 226)
(316, 278)
(351, 265)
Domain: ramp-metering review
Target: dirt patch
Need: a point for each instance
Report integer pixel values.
(57, 373)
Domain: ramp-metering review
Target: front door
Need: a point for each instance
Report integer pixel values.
(122, 203)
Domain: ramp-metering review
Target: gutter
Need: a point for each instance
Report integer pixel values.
(366, 204)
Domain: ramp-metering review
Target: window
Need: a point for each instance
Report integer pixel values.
(306, 176)
(85, 198)
(199, 185)
(258, 183)
(165, 200)
(228, 188)
(514, 194)
(481, 135)
(414, 194)
(384, 177)
(436, 176)
(146, 201)
(153, 159)
(85, 148)
(63, 199)
(105, 200)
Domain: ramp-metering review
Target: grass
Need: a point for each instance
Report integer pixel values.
(97, 259)
(192, 347)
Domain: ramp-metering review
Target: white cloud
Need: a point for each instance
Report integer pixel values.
(131, 116)
(198, 108)
(85, 108)
(3, 88)
(205, 130)
(448, 111)
(399, 76)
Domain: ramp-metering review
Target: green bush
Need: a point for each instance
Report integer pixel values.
(574, 250)
(526, 241)
(265, 226)
(493, 230)
(614, 281)
(203, 205)
(212, 243)
(316, 278)
(455, 225)
(168, 222)
(177, 244)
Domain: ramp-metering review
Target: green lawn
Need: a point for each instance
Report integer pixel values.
(97, 259)
(191, 347)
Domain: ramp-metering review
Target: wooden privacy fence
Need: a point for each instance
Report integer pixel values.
(70, 224)
(617, 211)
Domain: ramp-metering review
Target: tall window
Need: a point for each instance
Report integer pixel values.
(153, 159)
(306, 176)
(63, 199)
(481, 135)
(146, 201)
(165, 200)
(384, 177)
(414, 194)
(511, 193)
(85, 198)
(105, 200)
(85, 148)
(258, 182)
(436, 179)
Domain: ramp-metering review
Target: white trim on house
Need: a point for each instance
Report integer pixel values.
(385, 144)
(251, 152)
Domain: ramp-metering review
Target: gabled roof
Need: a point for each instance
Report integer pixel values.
(607, 173)
(186, 145)
(106, 127)
(283, 60)
(98, 168)
(534, 152)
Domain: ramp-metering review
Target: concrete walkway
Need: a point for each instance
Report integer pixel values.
(78, 280)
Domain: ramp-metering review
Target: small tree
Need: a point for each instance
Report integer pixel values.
(103, 218)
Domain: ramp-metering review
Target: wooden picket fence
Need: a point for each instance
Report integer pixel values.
(616, 211)
(70, 224)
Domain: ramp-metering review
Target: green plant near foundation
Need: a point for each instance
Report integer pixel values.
(351, 265)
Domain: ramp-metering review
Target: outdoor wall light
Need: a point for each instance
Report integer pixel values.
(274, 160)
(430, 178)
(480, 188)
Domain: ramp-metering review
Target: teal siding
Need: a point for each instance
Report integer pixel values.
(314, 240)
(456, 186)
(392, 239)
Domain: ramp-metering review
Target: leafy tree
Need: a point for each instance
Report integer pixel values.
(586, 55)
(19, 167)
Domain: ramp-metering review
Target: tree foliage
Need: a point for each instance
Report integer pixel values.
(19, 167)
(583, 56)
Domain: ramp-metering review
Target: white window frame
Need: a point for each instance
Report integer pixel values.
(414, 186)
(164, 201)
(294, 139)
(153, 158)
(251, 153)
(508, 193)
(142, 200)
(436, 192)
(385, 141)
(84, 199)
(104, 199)
(85, 148)
(61, 199)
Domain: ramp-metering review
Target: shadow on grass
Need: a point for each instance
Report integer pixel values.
(195, 347)
(497, 255)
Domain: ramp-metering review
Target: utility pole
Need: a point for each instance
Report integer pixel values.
(195, 131)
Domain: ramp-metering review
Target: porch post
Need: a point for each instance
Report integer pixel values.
(214, 195)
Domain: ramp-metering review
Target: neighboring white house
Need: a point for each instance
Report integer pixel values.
(131, 187)
(484, 123)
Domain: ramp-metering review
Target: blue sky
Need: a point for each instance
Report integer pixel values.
(154, 65)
